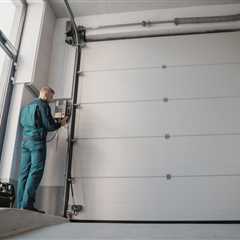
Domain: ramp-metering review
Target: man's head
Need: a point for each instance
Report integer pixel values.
(46, 94)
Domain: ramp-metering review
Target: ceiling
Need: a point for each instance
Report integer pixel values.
(93, 7)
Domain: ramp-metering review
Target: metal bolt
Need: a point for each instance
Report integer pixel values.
(168, 176)
(77, 105)
(167, 136)
(73, 140)
(146, 23)
(80, 73)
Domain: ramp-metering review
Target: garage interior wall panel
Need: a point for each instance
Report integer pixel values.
(139, 157)
(45, 48)
(61, 62)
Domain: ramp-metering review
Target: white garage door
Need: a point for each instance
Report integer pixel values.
(159, 129)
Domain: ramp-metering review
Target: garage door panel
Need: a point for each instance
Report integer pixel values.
(149, 52)
(158, 118)
(123, 153)
(147, 84)
(156, 199)
(157, 157)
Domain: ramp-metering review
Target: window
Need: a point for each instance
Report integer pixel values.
(7, 14)
(12, 17)
(5, 65)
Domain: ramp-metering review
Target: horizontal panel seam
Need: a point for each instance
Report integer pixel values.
(167, 136)
(160, 176)
(163, 66)
(165, 99)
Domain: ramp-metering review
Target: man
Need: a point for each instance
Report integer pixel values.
(37, 121)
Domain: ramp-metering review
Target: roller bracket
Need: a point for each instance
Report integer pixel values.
(71, 36)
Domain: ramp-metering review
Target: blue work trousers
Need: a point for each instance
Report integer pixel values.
(31, 170)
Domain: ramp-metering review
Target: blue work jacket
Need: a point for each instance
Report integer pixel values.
(37, 121)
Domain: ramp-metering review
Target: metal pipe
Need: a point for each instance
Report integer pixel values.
(176, 21)
(72, 19)
(77, 40)
(143, 24)
(68, 175)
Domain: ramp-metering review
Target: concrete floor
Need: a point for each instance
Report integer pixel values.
(23, 224)
(116, 231)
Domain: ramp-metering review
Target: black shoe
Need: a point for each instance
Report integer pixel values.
(35, 210)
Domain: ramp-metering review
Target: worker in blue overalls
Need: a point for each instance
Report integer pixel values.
(36, 120)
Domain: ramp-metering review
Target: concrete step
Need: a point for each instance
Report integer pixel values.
(15, 221)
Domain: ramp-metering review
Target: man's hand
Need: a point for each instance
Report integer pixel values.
(63, 122)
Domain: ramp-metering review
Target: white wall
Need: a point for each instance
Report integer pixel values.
(62, 62)
(42, 66)
(30, 42)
